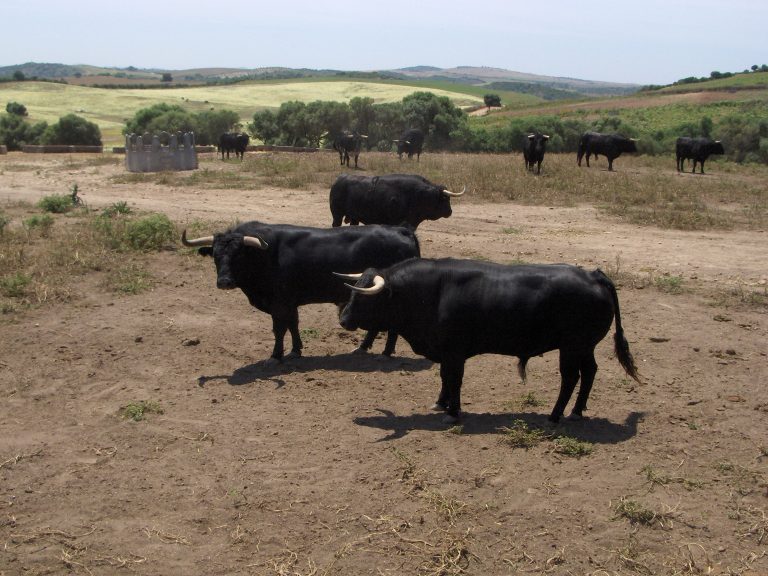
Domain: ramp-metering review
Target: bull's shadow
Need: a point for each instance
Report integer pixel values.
(594, 430)
(350, 362)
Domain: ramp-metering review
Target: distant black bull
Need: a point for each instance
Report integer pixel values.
(609, 145)
(281, 267)
(236, 142)
(349, 143)
(534, 147)
(390, 199)
(410, 142)
(451, 310)
(696, 149)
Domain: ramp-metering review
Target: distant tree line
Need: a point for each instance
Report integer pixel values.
(714, 75)
(207, 125)
(445, 126)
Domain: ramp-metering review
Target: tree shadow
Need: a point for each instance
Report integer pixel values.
(594, 430)
(350, 362)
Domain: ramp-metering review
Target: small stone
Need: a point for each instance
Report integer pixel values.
(191, 342)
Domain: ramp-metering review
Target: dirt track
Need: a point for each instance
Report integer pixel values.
(333, 463)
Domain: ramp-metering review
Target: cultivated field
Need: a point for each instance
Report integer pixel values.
(144, 434)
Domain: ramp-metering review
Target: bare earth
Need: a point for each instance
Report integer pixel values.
(333, 463)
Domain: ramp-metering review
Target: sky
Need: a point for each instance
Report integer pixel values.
(640, 41)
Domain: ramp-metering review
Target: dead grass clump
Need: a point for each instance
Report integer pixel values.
(638, 513)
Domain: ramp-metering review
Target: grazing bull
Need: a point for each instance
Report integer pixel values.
(236, 142)
(411, 141)
(609, 145)
(450, 310)
(390, 199)
(348, 143)
(533, 150)
(696, 149)
(280, 267)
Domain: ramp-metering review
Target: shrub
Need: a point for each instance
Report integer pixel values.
(116, 209)
(150, 233)
(56, 203)
(16, 108)
(4, 221)
(44, 222)
(14, 285)
(72, 130)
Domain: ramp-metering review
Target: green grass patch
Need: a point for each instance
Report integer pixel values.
(151, 232)
(669, 284)
(137, 411)
(572, 447)
(519, 435)
(41, 222)
(130, 279)
(15, 285)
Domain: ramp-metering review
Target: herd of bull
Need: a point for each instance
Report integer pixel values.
(349, 145)
(448, 310)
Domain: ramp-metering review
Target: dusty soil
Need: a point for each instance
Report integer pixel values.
(333, 463)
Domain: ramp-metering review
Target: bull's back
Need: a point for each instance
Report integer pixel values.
(521, 310)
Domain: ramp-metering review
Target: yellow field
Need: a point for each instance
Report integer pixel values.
(109, 108)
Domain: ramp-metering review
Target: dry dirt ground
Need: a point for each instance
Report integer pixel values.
(333, 463)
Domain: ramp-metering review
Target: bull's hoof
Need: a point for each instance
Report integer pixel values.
(272, 361)
(292, 354)
(574, 417)
(437, 407)
(450, 419)
(360, 350)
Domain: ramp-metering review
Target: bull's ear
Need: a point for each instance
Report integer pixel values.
(205, 251)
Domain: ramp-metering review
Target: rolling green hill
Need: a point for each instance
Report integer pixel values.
(110, 108)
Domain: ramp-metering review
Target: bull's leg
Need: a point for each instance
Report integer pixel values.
(356, 155)
(701, 166)
(569, 375)
(694, 167)
(293, 326)
(588, 159)
(451, 376)
(389, 347)
(279, 328)
(588, 370)
(367, 342)
(610, 164)
(538, 167)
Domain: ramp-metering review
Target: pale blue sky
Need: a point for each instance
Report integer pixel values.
(641, 41)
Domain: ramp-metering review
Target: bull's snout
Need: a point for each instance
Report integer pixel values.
(225, 283)
(344, 319)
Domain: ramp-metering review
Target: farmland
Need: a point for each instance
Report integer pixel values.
(145, 434)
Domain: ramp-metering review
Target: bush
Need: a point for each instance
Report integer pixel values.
(15, 131)
(44, 222)
(150, 233)
(72, 130)
(56, 203)
(16, 109)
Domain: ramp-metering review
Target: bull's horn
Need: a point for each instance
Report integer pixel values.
(348, 276)
(633, 139)
(363, 135)
(255, 242)
(717, 141)
(395, 140)
(545, 136)
(204, 241)
(531, 136)
(449, 193)
(378, 286)
(407, 142)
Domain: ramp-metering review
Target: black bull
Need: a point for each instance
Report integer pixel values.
(534, 147)
(450, 310)
(389, 199)
(696, 149)
(410, 142)
(349, 143)
(609, 145)
(233, 142)
(281, 267)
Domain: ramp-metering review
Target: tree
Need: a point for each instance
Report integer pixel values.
(264, 127)
(167, 77)
(443, 123)
(492, 100)
(16, 108)
(211, 125)
(72, 130)
(142, 118)
(19, 76)
(15, 131)
(362, 114)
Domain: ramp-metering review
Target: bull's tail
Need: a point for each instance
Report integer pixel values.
(621, 345)
(580, 151)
